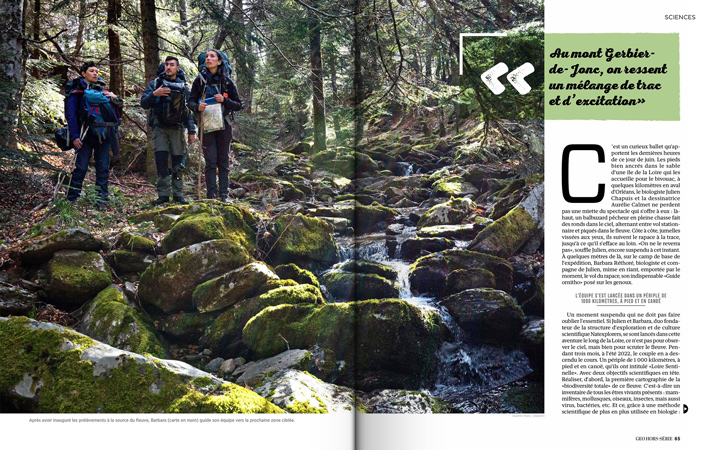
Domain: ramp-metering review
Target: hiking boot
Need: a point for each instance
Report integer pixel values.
(180, 200)
(160, 200)
(223, 198)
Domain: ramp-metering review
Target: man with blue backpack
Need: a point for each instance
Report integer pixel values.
(166, 98)
(93, 116)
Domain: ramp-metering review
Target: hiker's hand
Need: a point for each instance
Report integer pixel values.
(110, 94)
(77, 143)
(201, 107)
(190, 138)
(161, 92)
(219, 98)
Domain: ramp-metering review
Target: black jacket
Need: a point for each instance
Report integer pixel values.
(148, 101)
(214, 83)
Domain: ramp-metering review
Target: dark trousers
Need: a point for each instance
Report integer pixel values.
(215, 147)
(102, 156)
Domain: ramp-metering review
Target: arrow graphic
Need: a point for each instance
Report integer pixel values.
(490, 78)
(517, 78)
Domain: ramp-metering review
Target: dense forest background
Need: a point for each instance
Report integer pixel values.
(319, 71)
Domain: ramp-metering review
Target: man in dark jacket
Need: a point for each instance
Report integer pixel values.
(166, 97)
(85, 140)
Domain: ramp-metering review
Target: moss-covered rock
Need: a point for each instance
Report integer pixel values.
(232, 287)
(293, 272)
(72, 239)
(129, 261)
(211, 220)
(75, 276)
(533, 343)
(360, 266)
(270, 285)
(346, 286)
(428, 274)
(300, 393)
(486, 316)
(373, 336)
(169, 282)
(224, 335)
(304, 241)
(47, 368)
(184, 327)
(414, 248)
(134, 242)
(110, 319)
(454, 186)
(453, 212)
(364, 218)
(464, 279)
(150, 216)
(507, 234)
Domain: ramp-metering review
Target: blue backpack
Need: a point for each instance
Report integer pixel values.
(101, 118)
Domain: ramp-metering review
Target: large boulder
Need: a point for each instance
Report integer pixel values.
(110, 319)
(368, 267)
(487, 316)
(135, 242)
(293, 272)
(232, 287)
(347, 286)
(453, 212)
(184, 327)
(509, 233)
(48, 368)
(154, 214)
(454, 186)
(224, 335)
(129, 261)
(414, 248)
(429, 273)
(375, 337)
(169, 282)
(211, 220)
(72, 239)
(299, 392)
(76, 276)
(304, 241)
(254, 372)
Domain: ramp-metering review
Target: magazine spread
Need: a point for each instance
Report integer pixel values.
(323, 224)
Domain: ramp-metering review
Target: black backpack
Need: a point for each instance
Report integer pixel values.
(171, 110)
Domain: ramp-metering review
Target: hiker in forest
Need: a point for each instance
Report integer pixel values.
(214, 87)
(166, 98)
(93, 116)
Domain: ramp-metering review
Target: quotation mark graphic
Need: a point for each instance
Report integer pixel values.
(516, 78)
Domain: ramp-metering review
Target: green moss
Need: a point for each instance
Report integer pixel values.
(370, 335)
(114, 322)
(529, 400)
(68, 384)
(505, 236)
(211, 220)
(274, 284)
(150, 216)
(293, 272)
(359, 286)
(308, 242)
(135, 242)
(77, 276)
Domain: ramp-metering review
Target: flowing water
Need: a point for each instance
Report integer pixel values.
(465, 371)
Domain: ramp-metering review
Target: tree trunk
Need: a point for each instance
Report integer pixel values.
(151, 60)
(114, 48)
(317, 81)
(235, 15)
(183, 16)
(358, 78)
(334, 87)
(12, 53)
(80, 33)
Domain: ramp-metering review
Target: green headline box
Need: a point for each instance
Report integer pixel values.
(619, 76)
